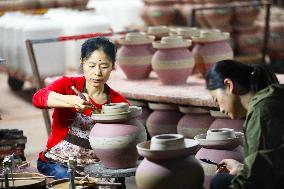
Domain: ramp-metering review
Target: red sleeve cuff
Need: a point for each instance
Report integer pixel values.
(40, 98)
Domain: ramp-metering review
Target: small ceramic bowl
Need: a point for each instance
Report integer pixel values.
(220, 134)
(114, 108)
(167, 142)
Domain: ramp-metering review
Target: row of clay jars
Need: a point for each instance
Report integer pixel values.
(33, 4)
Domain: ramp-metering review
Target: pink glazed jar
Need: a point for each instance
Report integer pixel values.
(135, 54)
(195, 121)
(116, 133)
(211, 47)
(163, 119)
(169, 163)
(172, 61)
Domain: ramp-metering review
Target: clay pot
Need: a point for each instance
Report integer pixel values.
(47, 3)
(169, 168)
(114, 142)
(187, 33)
(248, 40)
(172, 61)
(195, 121)
(211, 47)
(135, 54)
(64, 3)
(144, 14)
(158, 31)
(163, 119)
(236, 124)
(217, 18)
(245, 16)
(161, 12)
(145, 110)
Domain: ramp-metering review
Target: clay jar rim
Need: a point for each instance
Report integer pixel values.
(220, 134)
(167, 142)
(136, 38)
(188, 32)
(191, 147)
(114, 108)
(193, 110)
(162, 106)
(210, 36)
(171, 42)
(158, 30)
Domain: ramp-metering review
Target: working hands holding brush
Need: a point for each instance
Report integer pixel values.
(229, 166)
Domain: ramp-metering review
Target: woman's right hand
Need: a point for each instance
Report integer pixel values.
(230, 166)
(81, 105)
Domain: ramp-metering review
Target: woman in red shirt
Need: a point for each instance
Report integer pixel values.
(71, 123)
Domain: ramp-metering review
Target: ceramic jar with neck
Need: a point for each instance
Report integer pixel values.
(172, 61)
(135, 54)
(218, 144)
(160, 12)
(169, 163)
(117, 131)
(158, 31)
(195, 121)
(163, 119)
(211, 47)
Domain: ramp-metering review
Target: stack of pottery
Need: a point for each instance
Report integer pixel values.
(195, 121)
(211, 47)
(172, 61)
(169, 163)
(135, 54)
(158, 31)
(117, 132)
(218, 144)
(163, 119)
(158, 12)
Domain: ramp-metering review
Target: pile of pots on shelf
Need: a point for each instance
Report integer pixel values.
(13, 5)
(174, 54)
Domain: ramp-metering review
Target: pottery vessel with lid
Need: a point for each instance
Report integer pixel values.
(169, 163)
(116, 132)
(211, 47)
(135, 54)
(163, 119)
(195, 121)
(172, 61)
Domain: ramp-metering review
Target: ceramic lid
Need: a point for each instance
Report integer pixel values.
(158, 30)
(172, 42)
(136, 38)
(229, 143)
(191, 147)
(211, 36)
(134, 111)
(188, 32)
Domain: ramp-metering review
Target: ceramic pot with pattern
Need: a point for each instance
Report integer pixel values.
(211, 47)
(195, 121)
(169, 163)
(135, 54)
(114, 142)
(163, 119)
(172, 61)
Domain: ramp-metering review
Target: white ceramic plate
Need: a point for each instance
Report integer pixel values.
(134, 111)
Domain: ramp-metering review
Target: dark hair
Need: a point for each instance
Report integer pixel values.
(249, 77)
(98, 43)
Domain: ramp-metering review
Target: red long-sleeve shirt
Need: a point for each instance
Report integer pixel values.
(63, 117)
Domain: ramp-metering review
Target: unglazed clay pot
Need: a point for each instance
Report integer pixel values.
(158, 31)
(248, 40)
(236, 124)
(172, 61)
(211, 47)
(114, 142)
(163, 119)
(194, 122)
(135, 54)
(161, 12)
(169, 168)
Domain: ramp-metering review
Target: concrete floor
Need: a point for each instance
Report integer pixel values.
(17, 112)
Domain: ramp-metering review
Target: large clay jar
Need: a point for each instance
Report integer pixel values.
(236, 124)
(144, 14)
(135, 54)
(216, 149)
(158, 31)
(195, 121)
(172, 61)
(248, 40)
(114, 141)
(211, 47)
(169, 163)
(163, 119)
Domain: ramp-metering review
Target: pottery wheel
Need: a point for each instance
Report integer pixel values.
(99, 171)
